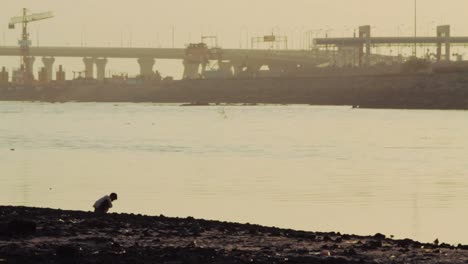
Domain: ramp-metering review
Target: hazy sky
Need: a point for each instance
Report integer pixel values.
(149, 23)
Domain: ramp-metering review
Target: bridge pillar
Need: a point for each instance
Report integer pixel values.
(4, 78)
(447, 50)
(89, 67)
(60, 74)
(253, 68)
(365, 33)
(277, 69)
(443, 33)
(191, 69)
(146, 66)
(226, 69)
(346, 56)
(30, 66)
(238, 69)
(101, 68)
(48, 65)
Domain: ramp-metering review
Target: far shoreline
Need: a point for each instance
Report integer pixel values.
(198, 104)
(441, 91)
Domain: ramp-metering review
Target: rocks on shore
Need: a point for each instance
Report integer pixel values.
(33, 235)
(18, 227)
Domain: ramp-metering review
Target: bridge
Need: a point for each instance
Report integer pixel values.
(250, 60)
(361, 45)
(355, 51)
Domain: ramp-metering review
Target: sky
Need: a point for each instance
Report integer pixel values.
(150, 23)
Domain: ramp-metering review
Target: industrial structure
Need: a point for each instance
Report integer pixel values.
(342, 55)
(25, 74)
(361, 46)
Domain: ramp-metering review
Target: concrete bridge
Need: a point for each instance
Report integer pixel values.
(238, 59)
(361, 45)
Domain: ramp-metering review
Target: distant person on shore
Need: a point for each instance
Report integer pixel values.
(103, 205)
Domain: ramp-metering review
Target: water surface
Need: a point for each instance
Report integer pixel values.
(317, 168)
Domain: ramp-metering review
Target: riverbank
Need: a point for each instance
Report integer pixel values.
(35, 235)
(398, 91)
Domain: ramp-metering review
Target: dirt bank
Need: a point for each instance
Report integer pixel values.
(32, 235)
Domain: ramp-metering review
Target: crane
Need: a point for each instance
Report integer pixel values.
(24, 42)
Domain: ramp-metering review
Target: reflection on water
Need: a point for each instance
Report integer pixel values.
(314, 168)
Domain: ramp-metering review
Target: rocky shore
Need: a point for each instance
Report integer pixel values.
(35, 235)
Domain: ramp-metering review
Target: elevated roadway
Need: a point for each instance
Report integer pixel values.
(239, 58)
(391, 40)
(364, 40)
(160, 53)
(97, 52)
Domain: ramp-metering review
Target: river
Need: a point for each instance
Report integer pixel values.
(317, 168)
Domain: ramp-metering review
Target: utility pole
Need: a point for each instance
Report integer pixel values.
(247, 38)
(131, 38)
(415, 51)
(83, 36)
(173, 36)
(37, 36)
(157, 40)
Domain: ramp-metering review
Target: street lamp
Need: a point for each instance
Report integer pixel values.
(430, 26)
(317, 33)
(345, 31)
(398, 35)
(311, 34)
(173, 35)
(246, 30)
(327, 31)
(83, 36)
(415, 27)
(399, 28)
(299, 38)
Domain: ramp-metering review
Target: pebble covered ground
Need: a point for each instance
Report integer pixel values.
(35, 235)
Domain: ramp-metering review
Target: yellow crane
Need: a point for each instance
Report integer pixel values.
(24, 42)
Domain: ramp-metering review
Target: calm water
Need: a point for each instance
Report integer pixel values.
(399, 172)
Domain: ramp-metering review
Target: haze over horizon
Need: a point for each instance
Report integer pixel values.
(146, 23)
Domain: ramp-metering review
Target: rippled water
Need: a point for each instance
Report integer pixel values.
(399, 172)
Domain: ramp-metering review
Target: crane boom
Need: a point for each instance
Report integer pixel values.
(30, 18)
(24, 42)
